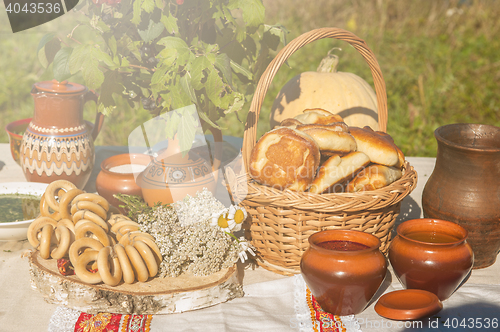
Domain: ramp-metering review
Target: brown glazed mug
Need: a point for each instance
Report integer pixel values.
(432, 255)
(343, 269)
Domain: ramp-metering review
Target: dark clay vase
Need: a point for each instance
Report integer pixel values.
(343, 281)
(431, 255)
(465, 186)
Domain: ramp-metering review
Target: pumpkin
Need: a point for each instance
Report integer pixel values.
(345, 94)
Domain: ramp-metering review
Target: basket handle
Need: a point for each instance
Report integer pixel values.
(250, 134)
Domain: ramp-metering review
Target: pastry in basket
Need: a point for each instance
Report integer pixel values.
(318, 116)
(378, 146)
(336, 171)
(290, 122)
(285, 158)
(332, 138)
(374, 177)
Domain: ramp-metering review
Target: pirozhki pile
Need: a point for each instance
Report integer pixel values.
(317, 152)
(102, 245)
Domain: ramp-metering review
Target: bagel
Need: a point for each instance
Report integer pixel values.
(92, 198)
(68, 224)
(90, 206)
(126, 229)
(91, 216)
(117, 217)
(65, 202)
(148, 257)
(53, 190)
(126, 266)
(113, 277)
(44, 209)
(34, 228)
(46, 240)
(138, 265)
(81, 270)
(78, 247)
(97, 231)
(116, 226)
(63, 236)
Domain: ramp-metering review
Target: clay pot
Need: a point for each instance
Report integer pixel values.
(172, 175)
(58, 143)
(118, 175)
(15, 131)
(464, 186)
(431, 255)
(343, 281)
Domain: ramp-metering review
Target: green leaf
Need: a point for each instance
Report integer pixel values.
(187, 130)
(173, 42)
(188, 89)
(148, 5)
(93, 76)
(239, 102)
(205, 118)
(61, 64)
(170, 23)
(50, 50)
(112, 45)
(198, 66)
(45, 39)
(78, 57)
(223, 63)
(172, 124)
(153, 31)
(110, 86)
(253, 11)
(137, 11)
(241, 70)
(160, 75)
(214, 86)
(102, 56)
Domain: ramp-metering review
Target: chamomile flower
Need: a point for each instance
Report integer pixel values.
(244, 247)
(238, 214)
(222, 220)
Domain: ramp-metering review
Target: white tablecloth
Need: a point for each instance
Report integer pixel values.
(268, 304)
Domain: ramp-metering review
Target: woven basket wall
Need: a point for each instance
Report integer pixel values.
(282, 221)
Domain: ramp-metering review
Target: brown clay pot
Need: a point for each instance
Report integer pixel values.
(172, 175)
(111, 180)
(15, 130)
(58, 143)
(343, 282)
(465, 187)
(432, 255)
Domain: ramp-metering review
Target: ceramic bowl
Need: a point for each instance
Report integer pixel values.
(15, 131)
(17, 230)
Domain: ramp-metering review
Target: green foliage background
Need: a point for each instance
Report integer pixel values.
(439, 60)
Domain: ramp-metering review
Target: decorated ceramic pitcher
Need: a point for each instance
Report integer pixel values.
(59, 143)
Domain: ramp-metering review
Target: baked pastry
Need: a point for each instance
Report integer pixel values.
(285, 158)
(332, 138)
(318, 116)
(379, 147)
(290, 122)
(336, 171)
(374, 177)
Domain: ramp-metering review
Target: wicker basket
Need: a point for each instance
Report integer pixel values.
(282, 221)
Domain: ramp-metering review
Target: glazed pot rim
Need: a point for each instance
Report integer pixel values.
(345, 235)
(453, 227)
(114, 161)
(442, 139)
(12, 124)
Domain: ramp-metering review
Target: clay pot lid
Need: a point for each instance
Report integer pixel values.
(63, 87)
(408, 304)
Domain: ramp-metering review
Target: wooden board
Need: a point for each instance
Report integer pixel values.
(156, 296)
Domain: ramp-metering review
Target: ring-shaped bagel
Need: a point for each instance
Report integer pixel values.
(127, 270)
(65, 202)
(45, 240)
(96, 230)
(152, 245)
(140, 268)
(89, 215)
(148, 257)
(34, 228)
(91, 206)
(44, 209)
(53, 190)
(63, 236)
(92, 198)
(129, 237)
(110, 275)
(116, 226)
(117, 217)
(126, 229)
(81, 267)
(68, 224)
(79, 246)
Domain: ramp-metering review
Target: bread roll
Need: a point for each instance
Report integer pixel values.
(290, 122)
(285, 158)
(374, 177)
(332, 138)
(318, 116)
(336, 171)
(379, 147)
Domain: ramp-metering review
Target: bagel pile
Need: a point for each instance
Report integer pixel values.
(318, 152)
(102, 244)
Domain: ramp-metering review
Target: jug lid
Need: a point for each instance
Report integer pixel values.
(63, 87)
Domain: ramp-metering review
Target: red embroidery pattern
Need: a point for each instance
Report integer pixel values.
(106, 322)
(322, 320)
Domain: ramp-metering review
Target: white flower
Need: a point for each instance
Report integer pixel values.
(238, 214)
(244, 247)
(222, 220)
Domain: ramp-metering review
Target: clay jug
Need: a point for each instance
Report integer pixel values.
(59, 143)
(343, 269)
(464, 186)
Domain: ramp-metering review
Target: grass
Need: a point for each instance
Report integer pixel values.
(439, 60)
